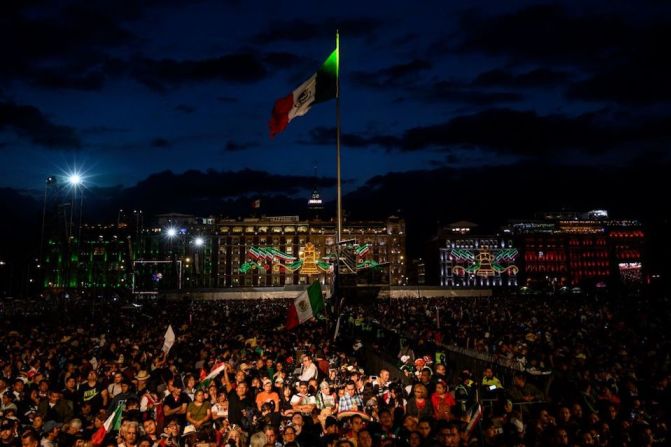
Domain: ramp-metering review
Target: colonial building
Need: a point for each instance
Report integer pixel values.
(285, 250)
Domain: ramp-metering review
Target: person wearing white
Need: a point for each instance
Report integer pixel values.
(308, 369)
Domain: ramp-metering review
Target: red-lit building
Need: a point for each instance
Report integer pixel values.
(579, 249)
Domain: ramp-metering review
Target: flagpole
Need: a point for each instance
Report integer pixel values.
(339, 223)
(336, 270)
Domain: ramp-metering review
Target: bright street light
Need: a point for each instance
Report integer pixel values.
(199, 241)
(172, 232)
(75, 179)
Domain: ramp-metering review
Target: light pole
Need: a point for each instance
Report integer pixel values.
(198, 242)
(171, 234)
(51, 180)
(75, 181)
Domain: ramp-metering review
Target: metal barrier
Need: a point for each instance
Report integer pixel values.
(382, 345)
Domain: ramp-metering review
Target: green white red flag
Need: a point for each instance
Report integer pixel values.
(112, 423)
(309, 304)
(214, 372)
(320, 87)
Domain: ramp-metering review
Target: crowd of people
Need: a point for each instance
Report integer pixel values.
(75, 375)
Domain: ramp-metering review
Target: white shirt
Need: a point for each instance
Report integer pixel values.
(308, 372)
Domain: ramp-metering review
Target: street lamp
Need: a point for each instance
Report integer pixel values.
(198, 264)
(171, 234)
(75, 180)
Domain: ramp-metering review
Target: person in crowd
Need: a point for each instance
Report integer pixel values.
(268, 394)
(350, 400)
(303, 401)
(419, 404)
(54, 408)
(198, 412)
(175, 404)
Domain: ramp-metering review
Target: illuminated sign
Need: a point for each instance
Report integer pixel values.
(308, 263)
(630, 272)
(485, 262)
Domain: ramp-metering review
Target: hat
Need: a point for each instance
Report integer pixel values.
(50, 425)
(142, 375)
(346, 414)
(188, 430)
(244, 367)
(6, 425)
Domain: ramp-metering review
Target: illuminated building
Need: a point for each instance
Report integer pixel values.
(100, 258)
(469, 260)
(579, 249)
(290, 238)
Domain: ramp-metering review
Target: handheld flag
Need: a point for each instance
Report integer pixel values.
(214, 372)
(307, 305)
(112, 423)
(168, 339)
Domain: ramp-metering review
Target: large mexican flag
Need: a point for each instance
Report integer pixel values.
(320, 87)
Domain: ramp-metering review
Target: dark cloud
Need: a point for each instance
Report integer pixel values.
(408, 78)
(103, 130)
(300, 30)
(161, 74)
(207, 192)
(30, 123)
(539, 77)
(449, 91)
(61, 38)
(185, 108)
(639, 75)
(392, 76)
(513, 132)
(621, 55)
(282, 60)
(326, 136)
(160, 142)
(527, 133)
(235, 146)
(69, 78)
(508, 192)
(198, 184)
(227, 99)
(547, 33)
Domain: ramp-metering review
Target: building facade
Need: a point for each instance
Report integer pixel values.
(302, 250)
(579, 249)
(470, 260)
(179, 251)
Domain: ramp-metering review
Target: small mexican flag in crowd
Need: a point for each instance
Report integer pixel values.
(307, 305)
(205, 379)
(112, 423)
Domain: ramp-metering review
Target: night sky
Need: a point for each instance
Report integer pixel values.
(450, 110)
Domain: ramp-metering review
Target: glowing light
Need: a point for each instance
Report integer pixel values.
(171, 232)
(199, 241)
(75, 179)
